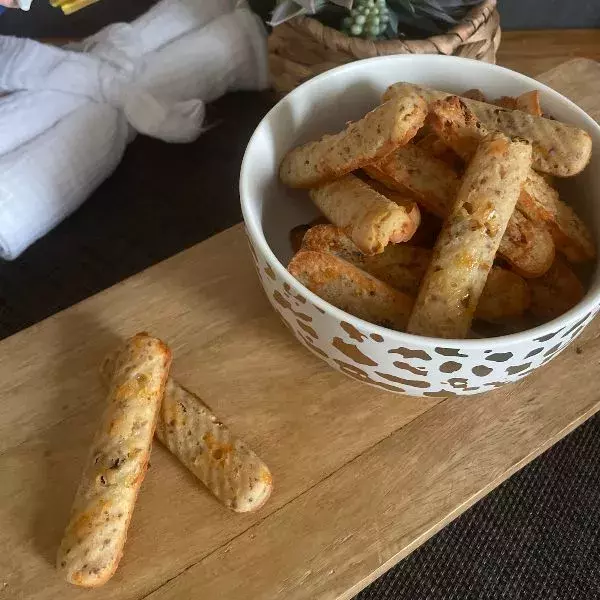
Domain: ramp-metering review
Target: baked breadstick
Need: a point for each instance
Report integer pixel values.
(434, 146)
(507, 102)
(415, 173)
(234, 474)
(529, 102)
(558, 149)
(297, 233)
(408, 204)
(93, 542)
(369, 218)
(556, 292)
(465, 250)
(457, 126)
(351, 289)
(539, 201)
(528, 247)
(399, 265)
(504, 296)
(378, 133)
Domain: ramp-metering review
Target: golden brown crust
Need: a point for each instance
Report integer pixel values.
(504, 297)
(378, 133)
(234, 474)
(456, 124)
(465, 250)
(403, 266)
(351, 289)
(415, 173)
(400, 266)
(528, 247)
(556, 292)
(507, 102)
(539, 201)
(558, 148)
(297, 233)
(529, 102)
(434, 146)
(93, 542)
(369, 218)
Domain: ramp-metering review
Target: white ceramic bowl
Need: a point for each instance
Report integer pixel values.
(410, 364)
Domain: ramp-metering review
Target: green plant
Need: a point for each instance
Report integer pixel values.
(367, 18)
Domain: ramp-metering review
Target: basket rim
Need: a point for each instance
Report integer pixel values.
(445, 43)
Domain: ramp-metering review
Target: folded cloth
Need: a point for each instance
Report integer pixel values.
(71, 111)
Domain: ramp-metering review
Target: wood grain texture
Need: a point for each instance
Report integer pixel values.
(304, 432)
(361, 477)
(534, 52)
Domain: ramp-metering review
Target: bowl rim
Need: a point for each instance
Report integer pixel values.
(588, 304)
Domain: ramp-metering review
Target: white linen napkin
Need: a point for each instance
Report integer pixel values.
(71, 113)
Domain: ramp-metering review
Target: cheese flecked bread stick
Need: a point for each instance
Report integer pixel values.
(460, 129)
(412, 171)
(351, 289)
(558, 149)
(403, 266)
(368, 217)
(465, 250)
(388, 126)
(234, 474)
(93, 542)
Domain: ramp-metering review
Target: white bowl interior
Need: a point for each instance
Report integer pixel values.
(326, 103)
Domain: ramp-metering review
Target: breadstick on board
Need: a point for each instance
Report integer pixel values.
(527, 246)
(234, 474)
(458, 127)
(93, 542)
(558, 148)
(342, 284)
(465, 250)
(370, 219)
(378, 133)
(403, 266)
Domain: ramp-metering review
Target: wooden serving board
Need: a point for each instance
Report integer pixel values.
(362, 477)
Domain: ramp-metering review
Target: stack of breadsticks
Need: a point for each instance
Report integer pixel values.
(442, 217)
(144, 401)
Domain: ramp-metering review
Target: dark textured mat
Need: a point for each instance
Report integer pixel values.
(535, 537)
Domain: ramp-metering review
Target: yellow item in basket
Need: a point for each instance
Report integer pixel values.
(71, 6)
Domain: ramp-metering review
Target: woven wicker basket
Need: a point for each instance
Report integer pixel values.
(302, 48)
